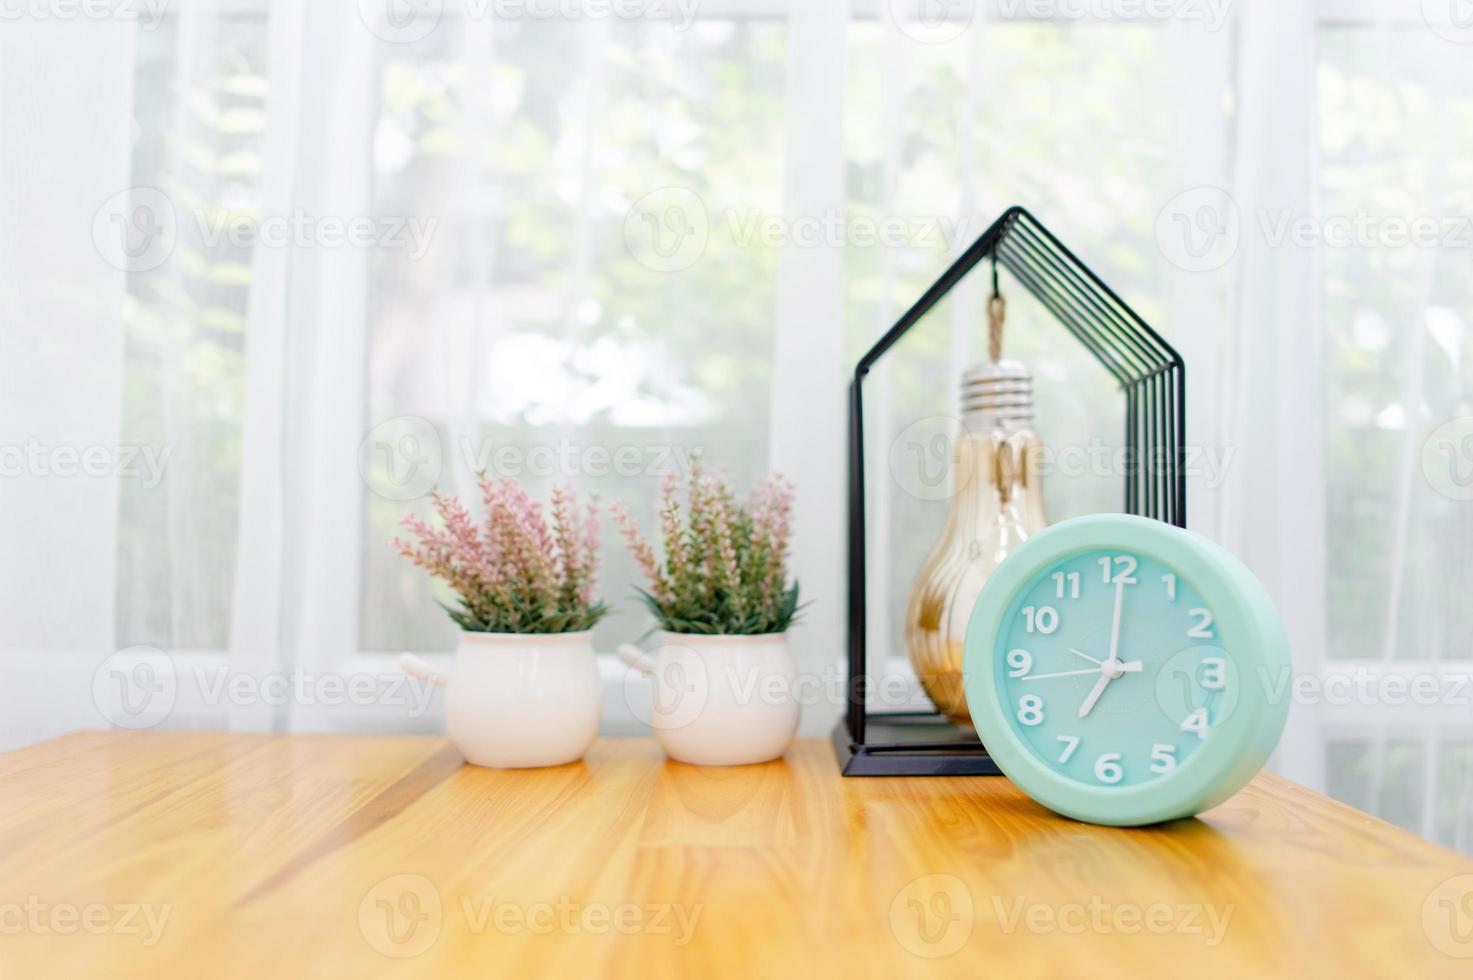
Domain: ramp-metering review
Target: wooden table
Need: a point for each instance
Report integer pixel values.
(213, 855)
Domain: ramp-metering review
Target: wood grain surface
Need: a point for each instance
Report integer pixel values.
(215, 855)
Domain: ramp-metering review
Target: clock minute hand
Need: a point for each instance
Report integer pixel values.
(1110, 669)
(1115, 624)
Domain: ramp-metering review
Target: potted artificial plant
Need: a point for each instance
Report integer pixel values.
(525, 686)
(722, 674)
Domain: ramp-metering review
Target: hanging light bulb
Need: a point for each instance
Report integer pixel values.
(996, 504)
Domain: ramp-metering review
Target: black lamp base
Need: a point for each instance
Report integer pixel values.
(1152, 376)
(912, 743)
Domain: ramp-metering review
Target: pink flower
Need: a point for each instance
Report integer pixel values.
(513, 572)
(640, 548)
(725, 564)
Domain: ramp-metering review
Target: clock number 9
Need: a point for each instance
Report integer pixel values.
(1020, 663)
(1030, 710)
(1107, 768)
(1040, 619)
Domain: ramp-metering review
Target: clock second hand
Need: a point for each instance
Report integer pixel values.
(1132, 667)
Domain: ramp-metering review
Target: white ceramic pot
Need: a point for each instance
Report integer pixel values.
(517, 700)
(720, 700)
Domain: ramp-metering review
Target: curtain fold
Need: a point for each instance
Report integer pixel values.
(805, 434)
(300, 530)
(332, 291)
(1273, 513)
(71, 227)
(257, 627)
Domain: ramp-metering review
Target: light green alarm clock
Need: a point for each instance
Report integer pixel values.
(1119, 670)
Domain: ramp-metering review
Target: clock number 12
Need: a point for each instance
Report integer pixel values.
(1124, 570)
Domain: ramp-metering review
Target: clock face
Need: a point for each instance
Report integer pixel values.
(1113, 669)
(1123, 671)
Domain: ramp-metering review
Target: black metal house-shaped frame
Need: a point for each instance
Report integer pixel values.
(1151, 375)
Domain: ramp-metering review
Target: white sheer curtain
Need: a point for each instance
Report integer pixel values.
(595, 238)
(808, 377)
(1273, 498)
(61, 353)
(299, 533)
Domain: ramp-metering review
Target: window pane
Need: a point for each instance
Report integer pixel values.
(1396, 111)
(1046, 98)
(569, 326)
(1384, 777)
(199, 142)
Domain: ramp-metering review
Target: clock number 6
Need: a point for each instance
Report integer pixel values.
(1107, 768)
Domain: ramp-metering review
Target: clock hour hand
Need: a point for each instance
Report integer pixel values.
(1094, 694)
(1110, 670)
